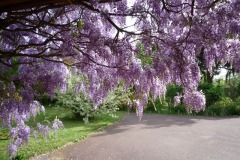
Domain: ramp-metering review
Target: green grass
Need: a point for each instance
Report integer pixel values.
(74, 131)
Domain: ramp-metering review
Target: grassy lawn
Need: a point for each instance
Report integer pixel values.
(74, 131)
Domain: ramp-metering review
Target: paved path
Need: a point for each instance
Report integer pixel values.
(159, 137)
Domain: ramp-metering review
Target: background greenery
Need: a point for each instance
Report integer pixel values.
(222, 99)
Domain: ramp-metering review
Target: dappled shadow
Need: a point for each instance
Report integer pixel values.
(157, 136)
(154, 121)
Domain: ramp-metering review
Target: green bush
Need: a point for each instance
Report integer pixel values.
(154, 106)
(164, 106)
(179, 109)
(232, 109)
(224, 107)
(79, 105)
(119, 97)
(82, 107)
(232, 88)
(213, 93)
(205, 86)
(238, 89)
(238, 109)
(231, 91)
(172, 90)
(237, 99)
(218, 108)
(220, 100)
(158, 106)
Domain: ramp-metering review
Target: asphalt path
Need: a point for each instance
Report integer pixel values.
(158, 137)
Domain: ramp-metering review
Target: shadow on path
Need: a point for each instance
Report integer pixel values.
(158, 137)
(155, 121)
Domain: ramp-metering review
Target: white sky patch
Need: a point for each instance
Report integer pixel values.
(222, 74)
(129, 20)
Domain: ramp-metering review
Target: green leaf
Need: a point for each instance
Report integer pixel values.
(80, 24)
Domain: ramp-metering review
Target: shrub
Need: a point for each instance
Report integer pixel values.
(164, 106)
(213, 93)
(221, 108)
(119, 97)
(237, 99)
(153, 106)
(179, 109)
(172, 90)
(79, 105)
(205, 86)
(82, 107)
(238, 89)
(157, 106)
(232, 109)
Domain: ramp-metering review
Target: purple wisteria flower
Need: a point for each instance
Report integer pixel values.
(57, 124)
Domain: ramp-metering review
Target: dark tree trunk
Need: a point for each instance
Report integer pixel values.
(209, 77)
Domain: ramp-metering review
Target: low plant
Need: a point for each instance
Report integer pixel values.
(224, 107)
(82, 107)
(213, 93)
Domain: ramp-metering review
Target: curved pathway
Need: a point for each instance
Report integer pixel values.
(158, 137)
